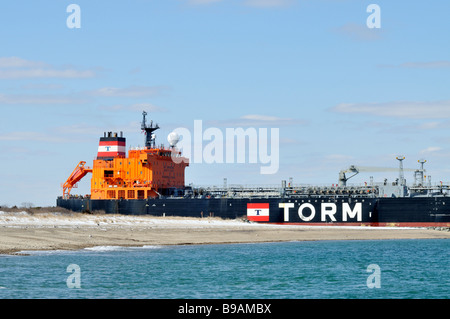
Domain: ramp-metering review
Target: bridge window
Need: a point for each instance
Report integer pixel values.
(109, 173)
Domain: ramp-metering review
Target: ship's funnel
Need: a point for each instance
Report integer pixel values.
(111, 146)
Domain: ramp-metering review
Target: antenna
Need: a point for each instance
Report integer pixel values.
(149, 129)
(422, 161)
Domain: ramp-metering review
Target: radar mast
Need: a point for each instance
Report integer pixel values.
(149, 129)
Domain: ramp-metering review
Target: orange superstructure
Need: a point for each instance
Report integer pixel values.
(147, 172)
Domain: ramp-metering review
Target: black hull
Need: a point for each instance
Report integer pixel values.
(320, 210)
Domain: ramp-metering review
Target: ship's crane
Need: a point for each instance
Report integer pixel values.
(343, 178)
(356, 169)
(78, 173)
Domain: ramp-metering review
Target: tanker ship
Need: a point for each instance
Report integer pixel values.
(151, 180)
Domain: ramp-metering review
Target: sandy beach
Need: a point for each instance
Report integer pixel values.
(22, 231)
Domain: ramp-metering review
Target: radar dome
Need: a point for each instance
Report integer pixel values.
(173, 138)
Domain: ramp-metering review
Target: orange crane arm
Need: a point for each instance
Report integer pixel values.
(78, 173)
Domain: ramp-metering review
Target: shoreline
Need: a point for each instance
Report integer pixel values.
(54, 231)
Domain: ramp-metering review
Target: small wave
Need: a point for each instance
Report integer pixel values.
(121, 248)
(146, 247)
(43, 252)
(105, 248)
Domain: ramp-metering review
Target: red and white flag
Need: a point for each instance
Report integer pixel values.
(258, 212)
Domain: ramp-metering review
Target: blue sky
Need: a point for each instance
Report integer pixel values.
(340, 93)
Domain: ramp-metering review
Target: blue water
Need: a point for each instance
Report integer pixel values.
(316, 269)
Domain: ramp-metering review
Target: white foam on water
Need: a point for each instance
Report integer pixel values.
(149, 247)
(105, 248)
(122, 248)
(44, 252)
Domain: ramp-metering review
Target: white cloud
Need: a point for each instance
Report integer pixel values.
(86, 96)
(16, 62)
(132, 91)
(10, 99)
(31, 136)
(431, 149)
(359, 32)
(78, 129)
(45, 73)
(430, 125)
(400, 109)
(258, 117)
(18, 68)
(42, 86)
(257, 120)
(338, 158)
(268, 3)
(134, 107)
